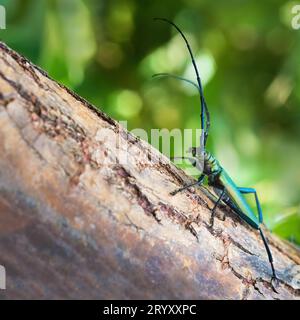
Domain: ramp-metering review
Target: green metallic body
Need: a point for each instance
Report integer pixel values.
(239, 200)
(219, 178)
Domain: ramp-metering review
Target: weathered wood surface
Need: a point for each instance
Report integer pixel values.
(77, 222)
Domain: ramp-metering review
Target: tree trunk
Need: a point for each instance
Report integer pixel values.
(85, 210)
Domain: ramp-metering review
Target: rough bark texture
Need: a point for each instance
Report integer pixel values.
(77, 222)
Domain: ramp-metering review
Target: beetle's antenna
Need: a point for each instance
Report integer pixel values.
(202, 100)
(163, 74)
(196, 86)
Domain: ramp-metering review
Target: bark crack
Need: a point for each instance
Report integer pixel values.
(142, 200)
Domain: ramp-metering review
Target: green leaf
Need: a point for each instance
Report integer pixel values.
(287, 225)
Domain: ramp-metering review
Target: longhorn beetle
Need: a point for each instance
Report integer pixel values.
(226, 190)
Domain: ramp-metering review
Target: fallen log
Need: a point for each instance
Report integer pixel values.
(77, 221)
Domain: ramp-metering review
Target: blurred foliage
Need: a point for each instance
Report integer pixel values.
(248, 56)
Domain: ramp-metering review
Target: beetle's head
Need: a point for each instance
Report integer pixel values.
(193, 151)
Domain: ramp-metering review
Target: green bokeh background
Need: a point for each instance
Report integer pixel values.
(248, 56)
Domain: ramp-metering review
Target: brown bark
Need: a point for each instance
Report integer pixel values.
(76, 222)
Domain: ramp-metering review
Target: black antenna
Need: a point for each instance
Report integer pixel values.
(202, 100)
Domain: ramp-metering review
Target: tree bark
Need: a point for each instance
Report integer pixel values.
(78, 221)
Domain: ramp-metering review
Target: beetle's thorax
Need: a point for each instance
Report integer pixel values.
(212, 166)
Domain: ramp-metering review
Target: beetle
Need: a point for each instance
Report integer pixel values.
(217, 177)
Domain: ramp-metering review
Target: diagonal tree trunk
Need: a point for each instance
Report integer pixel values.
(77, 221)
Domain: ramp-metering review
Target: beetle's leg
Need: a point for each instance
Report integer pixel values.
(197, 183)
(213, 211)
(274, 277)
(260, 218)
(258, 206)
